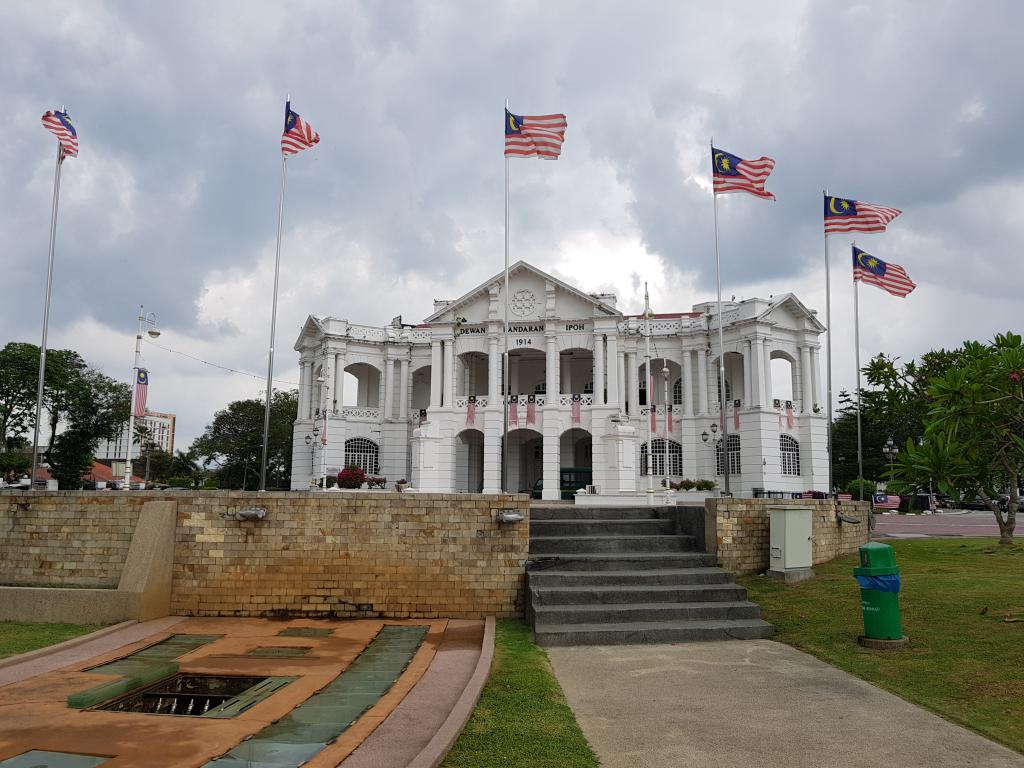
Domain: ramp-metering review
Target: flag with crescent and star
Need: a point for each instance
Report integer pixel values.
(59, 124)
(141, 390)
(889, 277)
(534, 135)
(298, 134)
(843, 215)
(734, 174)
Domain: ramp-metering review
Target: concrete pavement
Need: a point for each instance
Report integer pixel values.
(970, 523)
(747, 704)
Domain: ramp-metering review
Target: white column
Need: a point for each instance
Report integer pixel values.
(389, 387)
(762, 397)
(748, 374)
(310, 389)
(551, 371)
(620, 380)
(598, 369)
(815, 376)
(435, 373)
(303, 389)
(448, 400)
(614, 370)
(403, 389)
(768, 387)
(381, 376)
(805, 379)
(687, 382)
(632, 384)
(513, 375)
(493, 368)
(702, 382)
(339, 381)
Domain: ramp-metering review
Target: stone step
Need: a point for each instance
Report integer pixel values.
(618, 561)
(567, 578)
(623, 595)
(546, 545)
(652, 632)
(630, 613)
(593, 513)
(612, 527)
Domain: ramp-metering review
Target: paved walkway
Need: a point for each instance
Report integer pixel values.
(751, 704)
(941, 525)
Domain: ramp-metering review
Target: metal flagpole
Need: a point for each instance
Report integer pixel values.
(856, 344)
(273, 327)
(131, 410)
(664, 376)
(828, 360)
(504, 354)
(721, 350)
(649, 385)
(46, 313)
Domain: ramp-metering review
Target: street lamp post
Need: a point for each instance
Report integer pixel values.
(145, 319)
(891, 451)
(664, 376)
(704, 436)
(311, 441)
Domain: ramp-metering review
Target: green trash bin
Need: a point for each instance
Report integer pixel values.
(879, 580)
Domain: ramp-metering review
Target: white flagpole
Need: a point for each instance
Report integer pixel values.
(721, 346)
(504, 354)
(828, 360)
(46, 314)
(273, 325)
(856, 344)
(649, 386)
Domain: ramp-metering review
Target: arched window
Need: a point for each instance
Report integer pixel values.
(677, 392)
(362, 453)
(789, 453)
(734, 456)
(675, 458)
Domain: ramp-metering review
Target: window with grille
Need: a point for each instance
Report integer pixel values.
(541, 389)
(675, 458)
(734, 456)
(677, 392)
(362, 453)
(789, 453)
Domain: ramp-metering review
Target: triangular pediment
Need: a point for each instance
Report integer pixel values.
(788, 311)
(533, 295)
(312, 331)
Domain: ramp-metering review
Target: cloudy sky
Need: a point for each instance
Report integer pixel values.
(172, 202)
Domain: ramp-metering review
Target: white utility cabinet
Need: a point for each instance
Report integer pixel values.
(790, 542)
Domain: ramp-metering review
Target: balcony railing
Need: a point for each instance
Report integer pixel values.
(360, 413)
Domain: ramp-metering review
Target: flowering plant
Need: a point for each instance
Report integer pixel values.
(351, 477)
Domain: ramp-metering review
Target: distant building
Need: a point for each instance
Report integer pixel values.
(162, 432)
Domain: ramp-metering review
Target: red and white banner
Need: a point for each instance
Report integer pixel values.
(471, 411)
(576, 408)
(531, 409)
(513, 411)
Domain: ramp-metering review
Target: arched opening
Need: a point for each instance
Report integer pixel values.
(471, 374)
(469, 461)
(658, 457)
(525, 459)
(734, 456)
(675, 383)
(366, 386)
(783, 372)
(363, 453)
(420, 388)
(576, 371)
(576, 460)
(527, 368)
(789, 455)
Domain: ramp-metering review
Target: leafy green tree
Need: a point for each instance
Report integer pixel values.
(19, 378)
(233, 443)
(974, 432)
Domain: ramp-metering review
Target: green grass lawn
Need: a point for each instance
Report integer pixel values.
(16, 637)
(522, 720)
(964, 661)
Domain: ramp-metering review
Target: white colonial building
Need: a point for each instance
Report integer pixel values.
(426, 408)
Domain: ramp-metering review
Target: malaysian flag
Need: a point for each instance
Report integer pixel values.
(141, 385)
(534, 135)
(298, 134)
(885, 501)
(734, 174)
(843, 215)
(59, 124)
(872, 270)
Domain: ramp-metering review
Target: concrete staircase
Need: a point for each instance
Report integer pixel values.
(601, 575)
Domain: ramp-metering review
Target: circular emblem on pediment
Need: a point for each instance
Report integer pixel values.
(523, 303)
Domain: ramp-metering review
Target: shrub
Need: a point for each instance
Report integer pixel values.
(704, 485)
(180, 482)
(869, 489)
(351, 477)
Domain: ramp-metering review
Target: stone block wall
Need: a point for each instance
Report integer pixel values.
(349, 554)
(738, 529)
(65, 538)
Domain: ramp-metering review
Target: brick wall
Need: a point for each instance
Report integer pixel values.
(404, 554)
(65, 538)
(740, 531)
